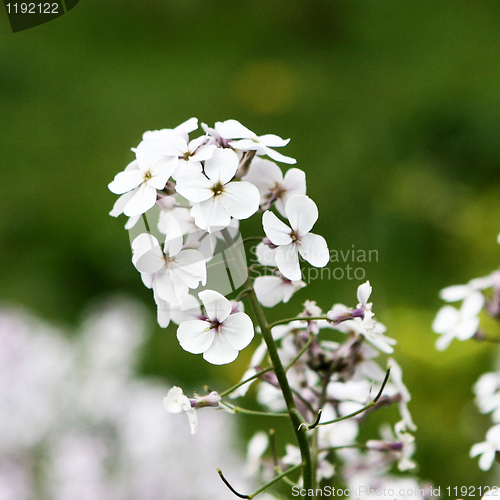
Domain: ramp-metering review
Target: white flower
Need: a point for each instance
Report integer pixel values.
(177, 402)
(176, 270)
(460, 292)
(183, 129)
(190, 155)
(273, 187)
(408, 447)
(272, 290)
(221, 336)
(405, 397)
(324, 469)
(487, 449)
(232, 129)
(402, 444)
(487, 390)
(256, 448)
(302, 213)
(364, 292)
(346, 320)
(257, 358)
(461, 324)
(144, 176)
(215, 198)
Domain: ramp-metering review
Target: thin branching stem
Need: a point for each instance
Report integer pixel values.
(366, 407)
(264, 486)
(298, 318)
(238, 409)
(249, 379)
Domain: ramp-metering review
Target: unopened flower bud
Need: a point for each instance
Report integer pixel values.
(212, 399)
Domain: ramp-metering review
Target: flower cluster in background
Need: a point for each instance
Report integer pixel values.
(477, 296)
(77, 423)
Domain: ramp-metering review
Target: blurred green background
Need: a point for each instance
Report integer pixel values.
(393, 108)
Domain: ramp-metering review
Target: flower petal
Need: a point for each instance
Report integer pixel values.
(273, 141)
(195, 336)
(238, 329)
(363, 293)
(144, 198)
(220, 352)
(240, 199)
(147, 154)
(270, 290)
(126, 181)
(211, 215)
(302, 213)
(194, 186)
(277, 231)
(445, 319)
(189, 266)
(170, 287)
(287, 260)
(222, 166)
(173, 239)
(217, 306)
(314, 249)
(233, 129)
(472, 304)
(120, 204)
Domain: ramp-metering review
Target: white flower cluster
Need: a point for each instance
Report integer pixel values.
(200, 189)
(78, 423)
(463, 324)
(203, 187)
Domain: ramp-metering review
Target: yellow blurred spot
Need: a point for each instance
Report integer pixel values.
(266, 87)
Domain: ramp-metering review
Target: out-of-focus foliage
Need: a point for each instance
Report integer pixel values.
(394, 113)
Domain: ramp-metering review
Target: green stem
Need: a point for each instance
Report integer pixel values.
(275, 480)
(295, 417)
(238, 409)
(268, 369)
(264, 486)
(243, 382)
(298, 318)
(298, 424)
(253, 238)
(146, 223)
(302, 351)
(366, 407)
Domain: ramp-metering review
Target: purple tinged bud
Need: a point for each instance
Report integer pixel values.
(268, 242)
(213, 399)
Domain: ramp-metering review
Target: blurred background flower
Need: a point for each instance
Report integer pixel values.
(77, 424)
(393, 109)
